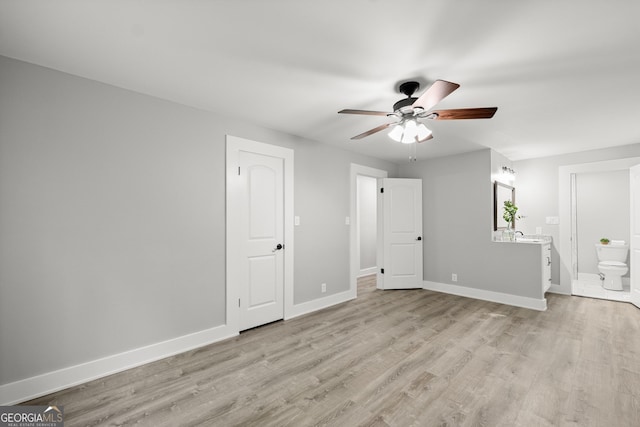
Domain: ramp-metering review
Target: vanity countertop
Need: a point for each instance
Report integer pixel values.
(529, 239)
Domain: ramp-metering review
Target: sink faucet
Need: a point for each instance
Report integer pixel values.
(521, 233)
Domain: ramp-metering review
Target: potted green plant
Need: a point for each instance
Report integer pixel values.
(604, 241)
(510, 214)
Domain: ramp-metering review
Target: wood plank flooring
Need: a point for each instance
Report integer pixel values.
(391, 358)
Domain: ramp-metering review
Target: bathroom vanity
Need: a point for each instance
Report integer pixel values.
(545, 256)
(532, 256)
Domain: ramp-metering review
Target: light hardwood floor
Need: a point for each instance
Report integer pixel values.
(392, 358)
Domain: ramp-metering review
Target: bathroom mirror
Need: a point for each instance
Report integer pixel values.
(501, 193)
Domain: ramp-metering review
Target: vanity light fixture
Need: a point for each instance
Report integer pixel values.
(409, 131)
(508, 173)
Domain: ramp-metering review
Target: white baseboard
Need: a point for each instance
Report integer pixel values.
(463, 291)
(50, 382)
(319, 304)
(368, 271)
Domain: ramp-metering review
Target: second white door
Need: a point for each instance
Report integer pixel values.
(400, 233)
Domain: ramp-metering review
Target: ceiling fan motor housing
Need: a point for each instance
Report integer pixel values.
(407, 88)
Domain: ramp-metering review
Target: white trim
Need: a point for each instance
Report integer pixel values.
(463, 291)
(634, 249)
(368, 271)
(50, 382)
(564, 202)
(574, 228)
(354, 253)
(319, 304)
(234, 146)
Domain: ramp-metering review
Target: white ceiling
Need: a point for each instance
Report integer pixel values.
(564, 74)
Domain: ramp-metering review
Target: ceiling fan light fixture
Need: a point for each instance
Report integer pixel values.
(409, 131)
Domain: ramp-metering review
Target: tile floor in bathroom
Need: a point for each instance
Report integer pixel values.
(592, 288)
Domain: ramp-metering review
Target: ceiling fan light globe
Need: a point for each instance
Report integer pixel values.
(396, 133)
(408, 139)
(411, 126)
(423, 132)
(410, 132)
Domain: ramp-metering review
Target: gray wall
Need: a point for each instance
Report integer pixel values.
(537, 190)
(367, 220)
(458, 223)
(113, 218)
(602, 211)
(322, 200)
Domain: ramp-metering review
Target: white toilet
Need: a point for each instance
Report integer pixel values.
(611, 264)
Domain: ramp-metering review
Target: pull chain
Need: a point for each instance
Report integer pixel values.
(414, 148)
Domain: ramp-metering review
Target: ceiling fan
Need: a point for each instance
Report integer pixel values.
(410, 110)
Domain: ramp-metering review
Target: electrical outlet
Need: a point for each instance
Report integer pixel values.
(454, 277)
(347, 221)
(323, 288)
(538, 230)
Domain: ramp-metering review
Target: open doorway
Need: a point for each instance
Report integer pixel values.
(366, 224)
(591, 192)
(363, 207)
(584, 190)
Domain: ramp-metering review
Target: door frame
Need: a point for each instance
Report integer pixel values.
(634, 282)
(354, 255)
(233, 227)
(566, 182)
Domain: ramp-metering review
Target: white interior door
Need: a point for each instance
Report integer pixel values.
(260, 273)
(400, 225)
(634, 181)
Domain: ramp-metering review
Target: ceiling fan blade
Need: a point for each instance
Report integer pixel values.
(438, 91)
(427, 138)
(465, 113)
(372, 131)
(365, 112)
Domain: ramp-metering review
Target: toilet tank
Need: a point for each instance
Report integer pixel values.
(612, 252)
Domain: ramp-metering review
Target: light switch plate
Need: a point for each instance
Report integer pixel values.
(296, 220)
(552, 220)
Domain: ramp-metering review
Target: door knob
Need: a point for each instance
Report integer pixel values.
(419, 238)
(277, 248)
